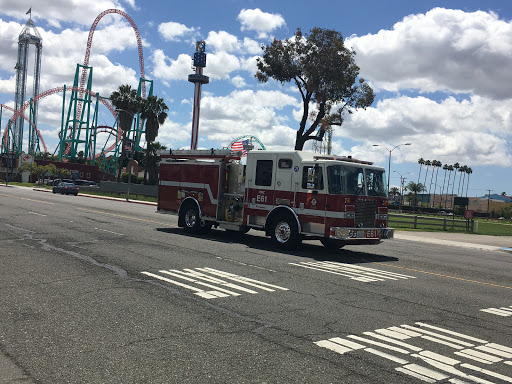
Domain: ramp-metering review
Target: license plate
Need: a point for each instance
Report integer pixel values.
(371, 233)
(361, 233)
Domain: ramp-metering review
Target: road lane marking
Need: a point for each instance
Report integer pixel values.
(220, 283)
(127, 217)
(447, 276)
(352, 271)
(502, 311)
(429, 365)
(35, 213)
(104, 230)
(27, 199)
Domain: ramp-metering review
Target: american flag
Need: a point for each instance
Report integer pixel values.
(239, 146)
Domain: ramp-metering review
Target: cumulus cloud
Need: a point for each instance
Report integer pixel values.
(441, 50)
(238, 82)
(172, 31)
(246, 112)
(222, 41)
(474, 131)
(168, 69)
(261, 22)
(56, 11)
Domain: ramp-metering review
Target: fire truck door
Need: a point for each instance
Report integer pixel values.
(311, 198)
(261, 181)
(284, 188)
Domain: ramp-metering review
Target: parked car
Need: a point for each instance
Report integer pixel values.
(66, 188)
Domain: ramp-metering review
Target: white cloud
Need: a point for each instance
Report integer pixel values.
(222, 41)
(474, 131)
(56, 11)
(173, 31)
(442, 50)
(220, 65)
(238, 82)
(252, 46)
(261, 22)
(168, 69)
(246, 112)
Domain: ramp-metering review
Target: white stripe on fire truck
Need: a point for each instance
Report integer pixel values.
(191, 185)
(302, 211)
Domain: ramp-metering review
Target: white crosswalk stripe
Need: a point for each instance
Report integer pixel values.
(354, 272)
(502, 311)
(407, 345)
(219, 283)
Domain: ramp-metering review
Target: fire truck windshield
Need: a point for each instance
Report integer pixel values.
(355, 180)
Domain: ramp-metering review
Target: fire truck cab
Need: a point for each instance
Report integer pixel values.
(291, 195)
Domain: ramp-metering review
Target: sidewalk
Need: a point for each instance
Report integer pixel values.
(463, 240)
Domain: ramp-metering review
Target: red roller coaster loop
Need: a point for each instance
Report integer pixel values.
(4, 138)
(20, 112)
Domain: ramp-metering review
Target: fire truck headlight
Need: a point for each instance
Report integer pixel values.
(383, 217)
(350, 215)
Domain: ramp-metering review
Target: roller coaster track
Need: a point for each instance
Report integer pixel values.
(20, 112)
(89, 45)
(4, 138)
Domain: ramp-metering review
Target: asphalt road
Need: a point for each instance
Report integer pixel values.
(100, 291)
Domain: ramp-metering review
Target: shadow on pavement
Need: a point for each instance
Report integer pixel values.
(308, 249)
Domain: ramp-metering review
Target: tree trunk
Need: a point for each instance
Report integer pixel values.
(121, 159)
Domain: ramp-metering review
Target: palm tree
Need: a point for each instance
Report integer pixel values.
(420, 162)
(437, 165)
(428, 164)
(151, 163)
(445, 168)
(469, 171)
(127, 104)
(415, 188)
(394, 191)
(456, 166)
(154, 111)
(450, 168)
(462, 177)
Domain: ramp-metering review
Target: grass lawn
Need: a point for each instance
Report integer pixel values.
(434, 224)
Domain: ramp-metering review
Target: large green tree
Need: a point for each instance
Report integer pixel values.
(325, 73)
(127, 104)
(154, 111)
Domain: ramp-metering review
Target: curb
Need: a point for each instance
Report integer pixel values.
(104, 197)
(452, 243)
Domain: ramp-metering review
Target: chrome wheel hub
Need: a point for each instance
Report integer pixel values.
(282, 232)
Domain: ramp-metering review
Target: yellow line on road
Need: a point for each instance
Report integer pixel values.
(448, 277)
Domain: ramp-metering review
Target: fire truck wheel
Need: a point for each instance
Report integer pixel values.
(285, 233)
(192, 222)
(332, 244)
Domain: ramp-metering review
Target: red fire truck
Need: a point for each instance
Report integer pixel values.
(290, 195)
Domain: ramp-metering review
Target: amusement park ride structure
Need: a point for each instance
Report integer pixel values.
(79, 126)
(29, 35)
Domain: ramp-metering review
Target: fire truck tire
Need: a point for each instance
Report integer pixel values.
(285, 232)
(332, 244)
(192, 223)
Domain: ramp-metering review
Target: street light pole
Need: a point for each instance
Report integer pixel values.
(389, 161)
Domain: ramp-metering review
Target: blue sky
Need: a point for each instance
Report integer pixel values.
(440, 70)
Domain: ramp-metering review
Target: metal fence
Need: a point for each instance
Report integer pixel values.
(419, 222)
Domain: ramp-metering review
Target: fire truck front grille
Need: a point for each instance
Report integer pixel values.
(365, 213)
